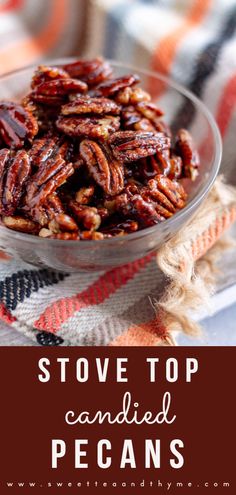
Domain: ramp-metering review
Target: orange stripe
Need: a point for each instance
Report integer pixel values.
(226, 106)
(166, 49)
(5, 314)
(11, 5)
(24, 52)
(4, 256)
(58, 312)
(148, 334)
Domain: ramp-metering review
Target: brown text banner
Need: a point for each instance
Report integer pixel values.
(117, 420)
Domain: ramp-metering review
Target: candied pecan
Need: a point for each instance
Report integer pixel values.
(92, 127)
(121, 228)
(21, 224)
(45, 232)
(47, 211)
(17, 124)
(63, 222)
(91, 71)
(49, 147)
(91, 235)
(86, 104)
(14, 171)
(169, 193)
(141, 209)
(46, 73)
(112, 86)
(133, 145)
(53, 205)
(61, 87)
(51, 101)
(162, 126)
(66, 236)
(132, 120)
(107, 133)
(189, 154)
(105, 170)
(131, 96)
(149, 167)
(149, 110)
(39, 214)
(103, 212)
(50, 175)
(88, 216)
(161, 195)
(144, 116)
(176, 166)
(85, 194)
(53, 92)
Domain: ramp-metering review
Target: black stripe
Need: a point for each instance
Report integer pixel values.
(206, 64)
(48, 339)
(20, 285)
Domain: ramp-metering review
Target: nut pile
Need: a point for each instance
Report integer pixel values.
(88, 156)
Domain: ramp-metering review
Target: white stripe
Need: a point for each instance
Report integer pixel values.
(124, 297)
(113, 326)
(214, 86)
(96, 28)
(31, 308)
(7, 268)
(198, 38)
(148, 25)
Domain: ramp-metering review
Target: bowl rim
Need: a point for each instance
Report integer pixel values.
(169, 221)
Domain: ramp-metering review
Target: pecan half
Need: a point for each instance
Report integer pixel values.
(87, 216)
(21, 224)
(149, 110)
(49, 147)
(176, 167)
(17, 124)
(14, 171)
(46, 212)
(91, 235)
(112, 86)
(64, 223)
(61, 87)
(47, 100)
(105, 170)
(45, 73)
(54, 92)
(131, 96)
(85, 195)
(92, 71)
(121, 228)
(149, 167)
(144, 116)
(167, 193)
(132, 120)
(66, 236)
(139, 208)
(133, 145)
(86, 104)
(92, 127)
(189, 154)
(160, 199)
(49, 177)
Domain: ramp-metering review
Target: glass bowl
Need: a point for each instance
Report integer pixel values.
(72, 256)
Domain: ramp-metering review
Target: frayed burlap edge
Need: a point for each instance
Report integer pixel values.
(189, 260)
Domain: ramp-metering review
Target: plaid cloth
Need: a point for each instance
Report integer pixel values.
(194, 42)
